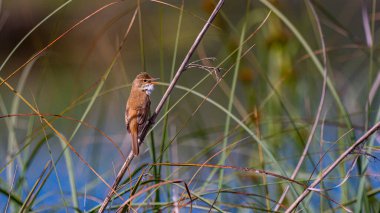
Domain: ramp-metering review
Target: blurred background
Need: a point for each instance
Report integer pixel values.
(62, 59)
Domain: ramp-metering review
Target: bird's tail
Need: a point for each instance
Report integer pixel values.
(135, 143)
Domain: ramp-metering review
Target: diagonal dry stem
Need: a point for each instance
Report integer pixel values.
(333, 165)
(152, 119)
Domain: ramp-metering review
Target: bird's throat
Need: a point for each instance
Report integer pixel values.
(148, 88)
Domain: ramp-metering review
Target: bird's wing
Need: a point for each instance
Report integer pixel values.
(143, 112)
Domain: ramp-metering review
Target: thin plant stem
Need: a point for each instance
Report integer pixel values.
(362, 201)
(320, 106)
(4, 80)
(315, 60)
(141, 36)
(31, 31)
(166, 117)
(231, 99)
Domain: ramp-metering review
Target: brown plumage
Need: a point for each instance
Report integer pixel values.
(138, 107)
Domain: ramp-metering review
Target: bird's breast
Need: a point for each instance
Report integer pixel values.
(137, 99)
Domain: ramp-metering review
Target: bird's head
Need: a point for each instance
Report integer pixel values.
(145, 82)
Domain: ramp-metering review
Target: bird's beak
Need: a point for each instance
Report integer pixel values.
(154, 80)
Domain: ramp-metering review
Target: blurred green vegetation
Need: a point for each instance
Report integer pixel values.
(258, 116)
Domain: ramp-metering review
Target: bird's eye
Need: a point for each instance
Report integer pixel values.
(145, 80)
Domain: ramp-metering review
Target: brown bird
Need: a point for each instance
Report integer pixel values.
(138, 107)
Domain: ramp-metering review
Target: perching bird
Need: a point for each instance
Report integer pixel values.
(138, 107)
